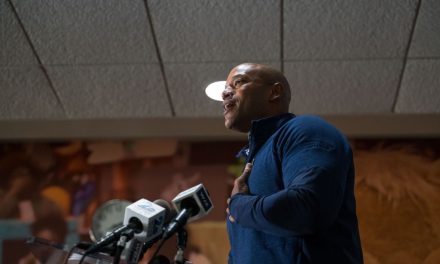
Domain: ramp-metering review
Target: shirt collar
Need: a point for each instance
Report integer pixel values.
(261, 130)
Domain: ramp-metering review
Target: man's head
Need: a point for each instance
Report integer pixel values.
(254, 91)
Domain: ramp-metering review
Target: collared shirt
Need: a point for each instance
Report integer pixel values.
(301, 205)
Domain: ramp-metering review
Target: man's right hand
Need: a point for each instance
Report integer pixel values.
(240, 186)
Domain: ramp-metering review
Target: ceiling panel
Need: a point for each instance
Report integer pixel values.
(111, 91)
(219, 30)
(346, 29)
(343, 58)
(187, 83)
(26, 94)
(343, 87)
(420, 89)
(426, 38)
(14, 47)
(88, 32)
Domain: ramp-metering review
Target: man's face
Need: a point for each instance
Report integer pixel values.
(245, 97)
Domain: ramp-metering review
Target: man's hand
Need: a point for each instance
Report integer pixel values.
(240, 186)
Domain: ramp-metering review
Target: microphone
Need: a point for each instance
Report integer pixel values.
(143, 217)
(137, 248)
(169, 213)
(191, 205)
(150, 214)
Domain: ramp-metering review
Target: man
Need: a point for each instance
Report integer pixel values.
(294, 202)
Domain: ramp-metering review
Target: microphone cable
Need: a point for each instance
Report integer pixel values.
(69, 253)
(82, 258)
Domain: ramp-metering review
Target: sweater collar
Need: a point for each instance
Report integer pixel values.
(261, 130)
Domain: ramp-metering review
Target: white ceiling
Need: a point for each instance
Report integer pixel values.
(70, 60)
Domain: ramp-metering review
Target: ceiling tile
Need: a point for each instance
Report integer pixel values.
(187, 83)
(219, 30)
(420, 88)
(343, 87)
(426, 38)
(88, 32)
(111, 91)
(346, 29)
(14, 47)
(25, 94)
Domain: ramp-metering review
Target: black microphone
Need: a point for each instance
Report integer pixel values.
(169, 212)
(145, 218)
(191, 204)
(134, 224)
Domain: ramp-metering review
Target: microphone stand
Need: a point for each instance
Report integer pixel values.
(135, 252)
(138, 254)
(125, 236)
(182, 238)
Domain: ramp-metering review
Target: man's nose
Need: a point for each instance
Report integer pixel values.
(227, 93)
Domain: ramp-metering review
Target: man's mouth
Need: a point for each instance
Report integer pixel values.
(228, 106)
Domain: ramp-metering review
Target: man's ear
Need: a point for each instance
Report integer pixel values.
(276, 91)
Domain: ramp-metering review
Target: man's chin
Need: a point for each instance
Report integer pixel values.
(228, 124)
(231, 126)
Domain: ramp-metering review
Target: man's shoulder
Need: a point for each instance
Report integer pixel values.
(309, 128)
(306, 122)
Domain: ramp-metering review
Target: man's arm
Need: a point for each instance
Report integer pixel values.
(314, 175)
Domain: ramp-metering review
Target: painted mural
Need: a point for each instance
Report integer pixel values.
(53, 190)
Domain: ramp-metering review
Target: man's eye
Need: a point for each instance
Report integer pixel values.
(238, 82)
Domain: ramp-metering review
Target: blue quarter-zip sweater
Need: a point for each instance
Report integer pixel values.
(301, 206)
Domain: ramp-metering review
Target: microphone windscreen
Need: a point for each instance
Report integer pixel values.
(172, 215)
(190, 203)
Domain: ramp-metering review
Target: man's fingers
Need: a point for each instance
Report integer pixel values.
(240, 186)
(227, 211)
(247, 169)
(246, 172)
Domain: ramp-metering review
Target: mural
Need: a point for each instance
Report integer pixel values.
(398, 200)
(65, 182)
(52, 190)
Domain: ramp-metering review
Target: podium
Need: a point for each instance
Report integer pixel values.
(49, 252)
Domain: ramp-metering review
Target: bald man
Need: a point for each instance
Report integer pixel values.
(294, 202)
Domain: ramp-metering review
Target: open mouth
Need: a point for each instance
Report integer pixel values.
(228, 106)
